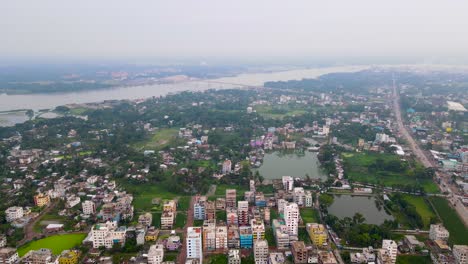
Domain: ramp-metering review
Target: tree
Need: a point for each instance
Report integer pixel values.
(30, 113)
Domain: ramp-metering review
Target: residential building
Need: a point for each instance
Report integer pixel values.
(288, 183)
(326, 257)
(69, 257)
(260, 249)
(170, 206)
(243, 212)
(258, 228)
(72, 201)
(140, 234)
(199, 208)
(281, 204)
(280, 233)
(40, 256)
(89, 207)
(167, 220)
(209, 235)
(221, 237)
(276, 258)
(318, 234)
(291, 218)
(260, 200)
(194, 243)
(13, 213)
(245, 236)
(299, 251)
(412, 243)
(231, 216)
(299, 196)
(3, 240)
(233, 236)
(227, 167)
(309, 201)
(8, 255)
(145, 219)
(220, 204)
(41, 199)
(231, 198)
(156, 254)
(460, 253)
(234, 256)
(107, 234)
(391, 247)
(210, 210)
(367, 256)
(438, 232)
(151, 234)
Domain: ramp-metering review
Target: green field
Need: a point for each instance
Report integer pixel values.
(217, 259)
(410, 259)
(357, 169)
(278, 112)
(57, 243)
(309, 215)
(451, 220)
(221, 189)
(143, 194)
(181, 219)
(159, 139)
(422, 208)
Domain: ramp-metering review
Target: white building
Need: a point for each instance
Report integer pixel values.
(391, 247)
(156, 254)
(260, 251)
(461, 254)
(72, 201)
(281, 204)
(145, 219)
(194, 243)
(288, 183)
(299, 196)
(291, 218)
(438, 232)
(13, 213)
(89, 207)
(234, 256)
(107, 234)
(227, 167)
(309, 201)
(8, 255)
(3, 240)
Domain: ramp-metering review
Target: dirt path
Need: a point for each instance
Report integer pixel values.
(29, 232)
(182, 257)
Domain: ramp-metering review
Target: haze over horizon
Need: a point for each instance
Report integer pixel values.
(407, 31)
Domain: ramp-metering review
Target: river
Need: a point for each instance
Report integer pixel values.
(49, 101)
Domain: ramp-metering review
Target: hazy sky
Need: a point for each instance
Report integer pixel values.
(234, 28)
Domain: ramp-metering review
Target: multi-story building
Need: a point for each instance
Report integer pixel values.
(258, 228)
(234, 256)
(291, 218)
(40, 256)
(391, 248)
(69, 257)
(227, 167)
(108, 234)
(299, 252)
(252, 186)
(260, 249)
(288, 183)
(194, 243)
(156, 254)
(438, 232)
(260, 200)
(460, 253)
(281, 204)
(281, 234)
(145, 219)
(8, 255)
(72, 201)
(231, 198)
(220, 204)
(209, 235)
(210, 210)
(326, 257)
(221, 237)
(89, 207)
(318, 234)
(243, 212)
(151, 234)
(309, 201)
(13, 213)
(245, 236)
(233, 236)
(199, 208)
(299, 196)
(231, 216)
(3, 240)
(267, 215)
(41, 199)
(170, 206)
(167, 220)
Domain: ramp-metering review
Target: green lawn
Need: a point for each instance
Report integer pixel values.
(181, 219)
(143, 194)
(57, 243)
(221, 189)
(159, 139)
(304, 236)
(269, 236)
(309, 215)
(217, 259)
(451, 220)
(410, 259)
(221, 215)
(157, 219)
(422, 207)
(278, 112)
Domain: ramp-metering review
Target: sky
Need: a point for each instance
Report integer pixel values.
(428, 29)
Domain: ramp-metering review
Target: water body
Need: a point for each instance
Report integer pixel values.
(278, 164)
(49, 101)
(347, 205)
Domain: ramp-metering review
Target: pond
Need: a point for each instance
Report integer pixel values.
(280, 163)
(348, 205)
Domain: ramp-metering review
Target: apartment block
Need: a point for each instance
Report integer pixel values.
(260, 249)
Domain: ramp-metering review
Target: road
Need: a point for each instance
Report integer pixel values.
(445, 185)
(182, 257)
(29, 233)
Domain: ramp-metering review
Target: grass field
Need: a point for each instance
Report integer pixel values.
(270, 112)
(422, 207)
(357, 164)
(57, 243)
(221, 189)
(309, 215)
(143, 194)
(451, 220)
(410, 259)
(217, 259)
(159, 139)
(181, 219)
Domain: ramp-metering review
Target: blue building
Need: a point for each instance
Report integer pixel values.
(246, 237)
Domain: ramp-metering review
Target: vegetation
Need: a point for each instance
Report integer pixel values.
(217, 259)
(56, 243)
(451, 221)
(309, 215)
(412, 259)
